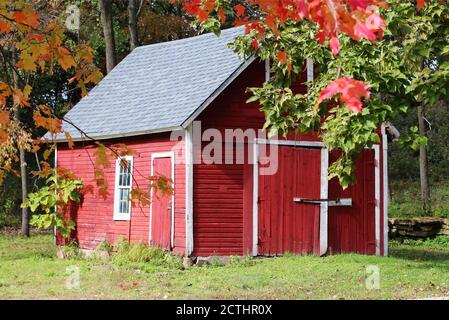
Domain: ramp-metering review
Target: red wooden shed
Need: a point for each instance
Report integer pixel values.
(181, 106)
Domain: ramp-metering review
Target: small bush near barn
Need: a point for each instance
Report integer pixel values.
(138, 255)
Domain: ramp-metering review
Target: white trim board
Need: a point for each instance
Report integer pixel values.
(324, 206)
(385, 185)
(376, 149)
(56, 167)
(310, 70)
(323, 188)
(161, 155)
(189, 188)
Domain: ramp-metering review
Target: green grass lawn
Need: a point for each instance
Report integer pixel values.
(30, 270)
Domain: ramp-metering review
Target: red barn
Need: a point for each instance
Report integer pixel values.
(181, 106)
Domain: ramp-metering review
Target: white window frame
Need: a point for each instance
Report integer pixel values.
(118, 216)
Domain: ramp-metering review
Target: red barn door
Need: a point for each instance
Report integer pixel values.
(161, 207)
(283, 224)
(352, 229)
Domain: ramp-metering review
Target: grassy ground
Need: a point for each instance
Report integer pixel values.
(406, 199)
(30, 270)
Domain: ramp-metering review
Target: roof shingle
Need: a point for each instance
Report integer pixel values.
(156, 87)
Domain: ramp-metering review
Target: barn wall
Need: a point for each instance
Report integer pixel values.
(223, 194)
(94, 217)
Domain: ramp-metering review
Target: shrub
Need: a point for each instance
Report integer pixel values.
(142, 254)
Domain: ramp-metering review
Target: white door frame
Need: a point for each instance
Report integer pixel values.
(159, 155)
(377, 223)
(323, 187)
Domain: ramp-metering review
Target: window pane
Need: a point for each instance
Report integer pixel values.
(123, 201)
(125, 174)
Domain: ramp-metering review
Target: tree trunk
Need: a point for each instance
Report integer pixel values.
(423, 165)
(132, 23)
(24, 178)
(108, 32)
(23, 173)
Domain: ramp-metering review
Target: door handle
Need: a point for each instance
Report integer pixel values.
(343, 202)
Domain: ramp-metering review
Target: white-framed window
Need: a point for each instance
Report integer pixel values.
(123, 185)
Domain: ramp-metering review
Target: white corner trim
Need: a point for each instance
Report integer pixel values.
(310, 70)
(159, 155)
(122, 216)
(385, 186)
(324, 206)
(376, 148)
(189, 189)
(267, 70)
(217, 92)
(56, 167)
(255, 197)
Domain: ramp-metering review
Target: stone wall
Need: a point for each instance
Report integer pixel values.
(417, 228)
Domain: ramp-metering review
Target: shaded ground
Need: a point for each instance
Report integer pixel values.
(30, 270)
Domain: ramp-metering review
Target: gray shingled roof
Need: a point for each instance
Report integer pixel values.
(156, 87)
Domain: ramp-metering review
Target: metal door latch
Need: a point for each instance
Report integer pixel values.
(344, 202)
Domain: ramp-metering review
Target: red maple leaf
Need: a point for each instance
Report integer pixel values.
(351, 93)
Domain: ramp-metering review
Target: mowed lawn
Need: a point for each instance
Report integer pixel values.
(29, 269)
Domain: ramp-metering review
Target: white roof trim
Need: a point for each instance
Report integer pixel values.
(120, 135)
(217, 92)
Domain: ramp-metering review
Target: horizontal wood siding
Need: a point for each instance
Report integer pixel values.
(94, 217)
(218, 195)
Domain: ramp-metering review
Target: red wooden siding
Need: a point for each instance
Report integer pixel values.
(219, 200)
(94, 217)
(286, 226)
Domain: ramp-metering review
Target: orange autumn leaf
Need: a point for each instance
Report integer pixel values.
(240, 10)
(101, 157)
(4, 92)
(70, 142)
(4, 124)
(282, 57)
(27, 16)
(420, 4)
(222, 15)
(44, 119)
(65, 58)
(27, 62)
(21, 97)
(35, 37)
(4, 27)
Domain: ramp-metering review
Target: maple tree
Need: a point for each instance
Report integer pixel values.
(356, 68)
(31, 45)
